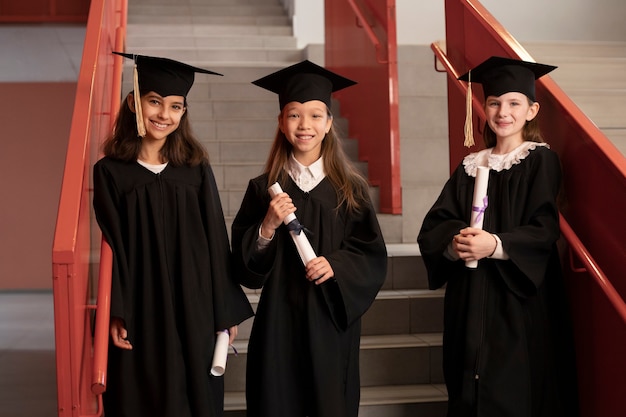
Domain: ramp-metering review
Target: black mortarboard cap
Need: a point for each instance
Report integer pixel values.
(302, 82)
(500, 75)
(164, 76)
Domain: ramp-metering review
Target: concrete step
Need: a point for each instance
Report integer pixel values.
(618, 138)
(208, 57)
(606, 108)
(584, 66)
(212, 36)
(404, 401)
(404, 312)
(384, 360)
(207, 2)
(567, 49)
(407, 312)
(428, 400)
(158, 9)
(246, 18)
(401, 359)
(164, 10)
(585, 73)
(593, 74)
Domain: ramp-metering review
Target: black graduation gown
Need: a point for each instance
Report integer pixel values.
(303, 354)
(507, 345)
(172, 285)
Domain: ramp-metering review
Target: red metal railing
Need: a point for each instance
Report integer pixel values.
(97, 99)
(594, 181)
(600, 331)
(360, 42)
(44, 11)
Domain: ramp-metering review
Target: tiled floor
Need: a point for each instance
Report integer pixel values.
(32, 53)
(27, 359)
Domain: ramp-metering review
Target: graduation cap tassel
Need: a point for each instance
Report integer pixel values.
(141, 128)
(469, 126)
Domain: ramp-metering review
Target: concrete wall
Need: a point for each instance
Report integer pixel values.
(37, 118)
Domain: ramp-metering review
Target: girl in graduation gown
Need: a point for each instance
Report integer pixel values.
(158, 206)
(303, 355)
(507, 347)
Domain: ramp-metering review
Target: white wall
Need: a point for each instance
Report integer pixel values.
(308, 20)
(420, 22)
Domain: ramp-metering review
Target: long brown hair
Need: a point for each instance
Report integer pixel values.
(530, 132)
(349, 183)
(180, 148)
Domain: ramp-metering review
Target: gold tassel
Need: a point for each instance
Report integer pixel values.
(141, 128)
(469, 126)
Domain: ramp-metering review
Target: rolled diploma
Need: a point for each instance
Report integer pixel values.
(218, 367)
(302, 243)
(478, 203)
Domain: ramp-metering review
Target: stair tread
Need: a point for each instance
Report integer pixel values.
(377, 341)
(374, 395)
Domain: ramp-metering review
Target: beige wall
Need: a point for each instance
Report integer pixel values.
(36, 122)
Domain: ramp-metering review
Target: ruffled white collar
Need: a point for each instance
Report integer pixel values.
(498, 162)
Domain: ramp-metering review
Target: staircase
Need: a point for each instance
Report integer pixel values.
(236, 121)
(593, 75)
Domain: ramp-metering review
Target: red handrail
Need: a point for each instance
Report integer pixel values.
(368, 29)
(101, 330)
(367, 53)
(592, 268)
(97, 98)
(103, 301)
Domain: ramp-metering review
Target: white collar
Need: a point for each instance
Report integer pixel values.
(156, 168)
(498, 163)
(315, 170)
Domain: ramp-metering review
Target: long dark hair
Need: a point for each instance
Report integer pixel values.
(180, 148)
(351, 186)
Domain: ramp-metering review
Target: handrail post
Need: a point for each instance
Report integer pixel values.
(103, 312)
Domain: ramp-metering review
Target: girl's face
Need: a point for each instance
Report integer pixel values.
(161, 115)
(305, 125)
(507, 115)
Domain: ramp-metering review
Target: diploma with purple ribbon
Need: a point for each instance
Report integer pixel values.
(296, 230)
(479, 203)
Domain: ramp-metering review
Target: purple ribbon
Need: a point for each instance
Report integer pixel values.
(481, 210)
(235, 350)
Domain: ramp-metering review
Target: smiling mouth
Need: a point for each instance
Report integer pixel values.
(159, 125)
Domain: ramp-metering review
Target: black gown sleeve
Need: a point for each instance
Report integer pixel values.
(106, 203)
(230, 304)
(252, 271)
(360, 267)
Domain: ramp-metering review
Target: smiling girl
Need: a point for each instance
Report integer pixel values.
(158, 207)
(507, 344)
(303, 354)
